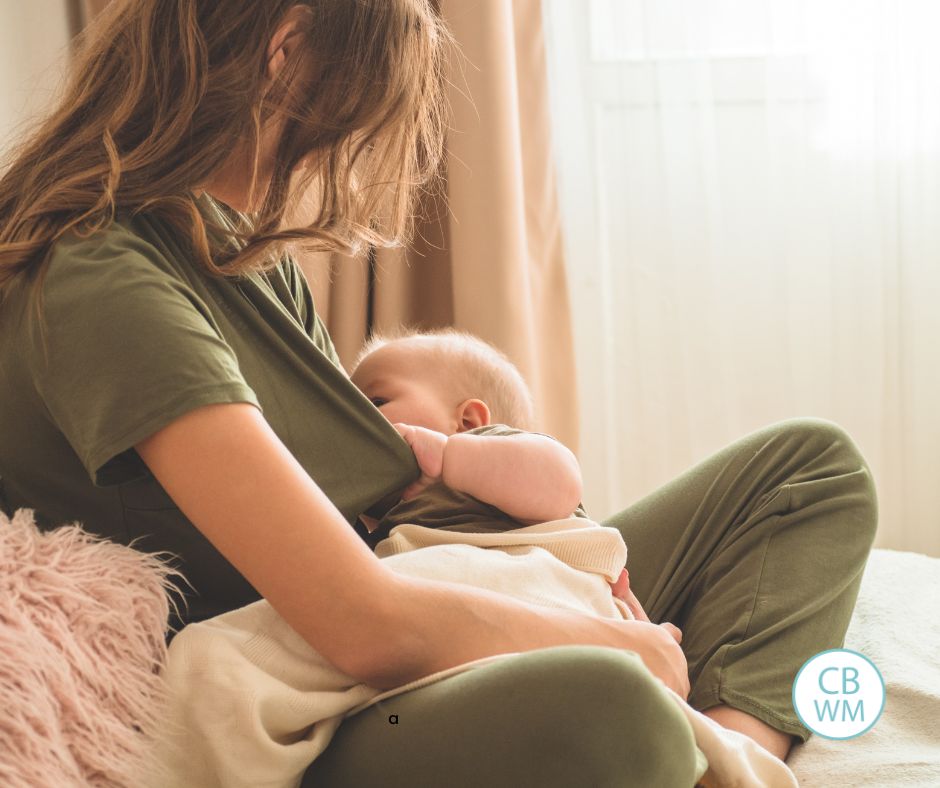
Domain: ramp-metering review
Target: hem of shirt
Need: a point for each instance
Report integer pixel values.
(189, 400)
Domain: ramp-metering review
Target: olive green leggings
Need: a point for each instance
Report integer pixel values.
(756, 554)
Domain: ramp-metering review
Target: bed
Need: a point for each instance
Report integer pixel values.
(896, 625)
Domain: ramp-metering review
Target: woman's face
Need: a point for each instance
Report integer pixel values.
(406, 388)
(231, 184)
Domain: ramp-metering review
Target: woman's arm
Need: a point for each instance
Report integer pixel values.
(530, 477)
(234, 479)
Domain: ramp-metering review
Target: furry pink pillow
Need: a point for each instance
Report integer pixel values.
(82, 644)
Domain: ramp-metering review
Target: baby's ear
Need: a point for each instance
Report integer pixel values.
(472, 413)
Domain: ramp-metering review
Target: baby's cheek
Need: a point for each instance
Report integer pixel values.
(393, 414)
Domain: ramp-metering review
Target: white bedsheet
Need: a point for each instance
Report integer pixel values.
(896, 625)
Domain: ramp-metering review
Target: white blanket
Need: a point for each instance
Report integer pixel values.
(252, 704)
(896, 625)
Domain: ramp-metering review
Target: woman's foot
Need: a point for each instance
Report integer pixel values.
(774, 741)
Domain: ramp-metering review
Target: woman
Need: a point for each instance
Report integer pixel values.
(166, 379)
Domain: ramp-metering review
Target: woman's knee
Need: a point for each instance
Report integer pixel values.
(822, 434)
(829, 443)
(555, 717)
(616, 720)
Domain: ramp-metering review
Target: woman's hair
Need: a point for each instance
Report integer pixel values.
(163, 91)
(470, 367)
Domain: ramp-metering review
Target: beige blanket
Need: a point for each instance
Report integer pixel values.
(896, 626)
(252, 704)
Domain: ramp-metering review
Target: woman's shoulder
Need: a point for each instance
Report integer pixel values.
(84, 269)
(118, 262)
(112, 281)
(120, 241)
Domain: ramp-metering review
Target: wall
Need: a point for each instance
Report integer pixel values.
(34, 36)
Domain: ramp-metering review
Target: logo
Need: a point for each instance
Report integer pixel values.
(838, 694)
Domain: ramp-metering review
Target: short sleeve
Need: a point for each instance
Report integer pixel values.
(128, 347)
(498, 430)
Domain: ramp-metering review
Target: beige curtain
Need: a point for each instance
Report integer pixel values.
(90, 7)
(491, 261)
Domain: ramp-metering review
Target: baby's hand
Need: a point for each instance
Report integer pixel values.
(428, 447)
(621, 590)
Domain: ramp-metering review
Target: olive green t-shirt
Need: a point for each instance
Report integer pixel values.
(137, 335)
(439, 506)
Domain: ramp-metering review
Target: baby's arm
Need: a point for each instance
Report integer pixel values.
(532, 478)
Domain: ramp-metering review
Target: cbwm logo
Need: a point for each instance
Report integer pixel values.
(839, 694)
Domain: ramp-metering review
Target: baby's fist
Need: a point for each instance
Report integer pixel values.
(428, 446)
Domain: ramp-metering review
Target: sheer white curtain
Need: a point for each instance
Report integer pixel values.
(751, 194)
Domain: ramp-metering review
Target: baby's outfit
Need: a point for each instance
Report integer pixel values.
(442, 508)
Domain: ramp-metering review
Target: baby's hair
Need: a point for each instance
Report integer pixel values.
(479, 370)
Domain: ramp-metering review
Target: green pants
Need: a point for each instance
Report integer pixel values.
(756, 554)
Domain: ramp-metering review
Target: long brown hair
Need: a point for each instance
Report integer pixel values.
(162, 92)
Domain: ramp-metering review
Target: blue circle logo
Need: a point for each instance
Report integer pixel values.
(839, 694)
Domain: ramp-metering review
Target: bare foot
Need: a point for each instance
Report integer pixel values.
(775, 742)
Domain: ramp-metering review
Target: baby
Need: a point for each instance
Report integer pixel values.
(452, 396)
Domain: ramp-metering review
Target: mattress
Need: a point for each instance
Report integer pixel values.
(896, 624)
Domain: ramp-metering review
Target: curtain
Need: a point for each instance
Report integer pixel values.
(34, 50)
(490, 260)
(750, 190)
(91, 7)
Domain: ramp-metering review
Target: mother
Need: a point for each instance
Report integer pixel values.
(165, 377)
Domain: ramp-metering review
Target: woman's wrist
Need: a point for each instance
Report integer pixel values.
(435, 625)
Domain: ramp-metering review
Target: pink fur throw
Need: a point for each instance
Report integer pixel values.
(82, 644)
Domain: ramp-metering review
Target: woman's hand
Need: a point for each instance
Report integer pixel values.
(665, 660)
(428, 447)
(660, 651)
(673, 630)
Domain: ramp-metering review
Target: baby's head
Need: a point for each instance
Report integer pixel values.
(445, 380)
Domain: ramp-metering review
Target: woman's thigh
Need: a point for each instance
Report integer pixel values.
(564, 716)
(757, 554)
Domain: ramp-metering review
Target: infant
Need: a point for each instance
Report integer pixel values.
(467, 412)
